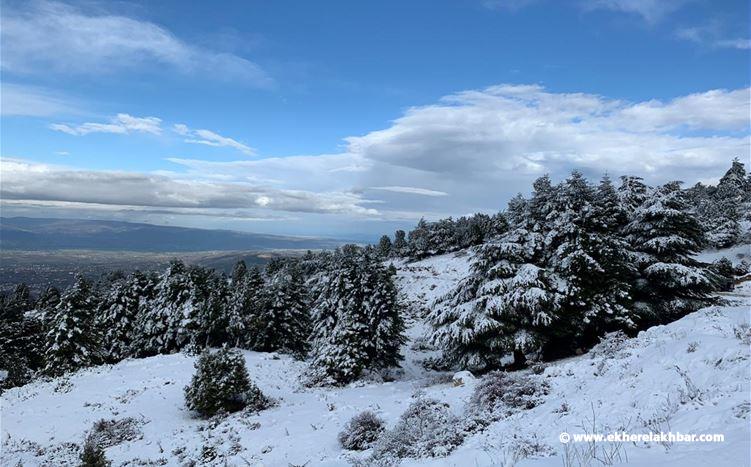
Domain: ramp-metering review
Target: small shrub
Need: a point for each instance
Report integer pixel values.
(361, 431)
(610, 344)
(222, 384)
(506, 393)
(93, 455)
(106, 433)
(426, 429)
(692, 346)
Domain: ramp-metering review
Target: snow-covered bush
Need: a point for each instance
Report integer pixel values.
(426, 429)
(361, 431)
(221, 384)
(106, 433)
(501, 394)
(610, 344)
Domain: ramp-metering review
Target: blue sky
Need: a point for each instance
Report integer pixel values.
(352, 118)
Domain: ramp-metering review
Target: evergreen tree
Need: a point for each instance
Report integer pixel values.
(48, 300)
(632, 193)
(384, 246)
(238, 272)
(162, 326)
(501, 310)
(517, 213)
(207, 318)
(541, 205)
(71, 342)
(222, 384)
(419, 240)
(21, 335)
(357, 319)
(666, 234)
(724, 210)
(586, 249)
(401, 248)
(14, 305)
(118, 312)
(246, 302)
(282, 323)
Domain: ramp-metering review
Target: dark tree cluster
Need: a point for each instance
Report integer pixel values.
(719, 209)
(192, 308)
(442, 236)
(580, 260)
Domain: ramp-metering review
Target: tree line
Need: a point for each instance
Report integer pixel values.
(339, 309)
(719, 209)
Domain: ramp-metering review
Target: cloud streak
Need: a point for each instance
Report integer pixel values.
(44, 36)
(210, 138)
(410, 190)
(121, 124)
(32, 101)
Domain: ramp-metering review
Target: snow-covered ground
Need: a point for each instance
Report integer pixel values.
(691, 376)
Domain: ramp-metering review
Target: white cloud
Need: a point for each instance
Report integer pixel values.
(410, 190)
(712, 35)
(36, 182)
(480, 146)
(209, 138)
(512, 5)
(32, 101)
(44, 36)
(120, 124)
(483, 146)
(62, 153)
(651, 10)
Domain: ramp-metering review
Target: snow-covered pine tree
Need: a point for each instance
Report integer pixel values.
(666, 234)
(338, 356)
(161, 324)
(441, 236)
(632, 193)
(71, 342)
(499, 313)
(238, 272)
(282, 321)
(118, 311)
(357, 319)
(384, 246)
(584, 248)
(517, 212)
(542, 204)
(386, 326)
(48, 300)
(401, 248)
(246, 301)
(206, 320)
(723, 211)
(21, 336)
(419, 240)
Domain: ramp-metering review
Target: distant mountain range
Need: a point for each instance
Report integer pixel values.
(24, 233)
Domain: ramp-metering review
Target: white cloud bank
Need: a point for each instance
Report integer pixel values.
(470, 151)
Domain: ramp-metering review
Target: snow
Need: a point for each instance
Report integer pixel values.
(654, 379)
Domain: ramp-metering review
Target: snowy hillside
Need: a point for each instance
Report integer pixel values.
(691, 376)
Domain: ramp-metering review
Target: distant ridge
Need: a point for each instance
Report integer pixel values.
(25, 233)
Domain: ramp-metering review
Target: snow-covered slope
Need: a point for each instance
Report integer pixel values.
(691, 376)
